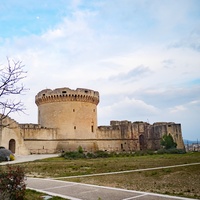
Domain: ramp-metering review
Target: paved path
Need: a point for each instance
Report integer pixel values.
(28, 158)
(79, 191)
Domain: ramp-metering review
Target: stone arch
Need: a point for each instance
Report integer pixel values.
(12, 145)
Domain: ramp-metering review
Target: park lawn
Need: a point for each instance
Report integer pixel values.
(60, 167)
(180, 181)
(33, 195)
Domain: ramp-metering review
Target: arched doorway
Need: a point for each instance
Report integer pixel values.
(12, 144)
(142, 142)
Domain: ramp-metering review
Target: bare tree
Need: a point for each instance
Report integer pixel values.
(11, 86)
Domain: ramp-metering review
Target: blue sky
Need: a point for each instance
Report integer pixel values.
(142, 56)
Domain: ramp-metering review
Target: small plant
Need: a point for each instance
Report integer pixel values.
(12, 185)
(171, 151)
(80, 149)
(73, 155)
(90, 155)
(101, 154)
(168, 142)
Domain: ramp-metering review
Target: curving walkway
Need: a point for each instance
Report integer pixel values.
(79, 191)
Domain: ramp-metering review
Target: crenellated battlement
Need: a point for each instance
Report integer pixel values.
(66, 94)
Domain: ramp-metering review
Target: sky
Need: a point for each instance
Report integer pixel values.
(142, 56)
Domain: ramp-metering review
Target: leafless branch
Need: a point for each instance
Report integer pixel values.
(10, 86)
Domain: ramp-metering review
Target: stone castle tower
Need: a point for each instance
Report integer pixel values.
(74, 112)
(67, 119)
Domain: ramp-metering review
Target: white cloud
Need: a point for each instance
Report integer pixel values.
(126, 109)
(142, 62)
(177, 109)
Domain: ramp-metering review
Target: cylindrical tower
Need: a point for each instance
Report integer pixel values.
(72, 112)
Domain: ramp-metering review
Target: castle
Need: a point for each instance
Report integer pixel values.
(67, 119)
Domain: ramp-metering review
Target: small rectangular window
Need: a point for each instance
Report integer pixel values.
(73, 110)
(74, 127)
(92, 129)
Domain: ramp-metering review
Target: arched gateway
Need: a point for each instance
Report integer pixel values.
(12, 145)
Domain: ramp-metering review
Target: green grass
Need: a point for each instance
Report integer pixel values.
(33, 195)
(60, 167)
(180, 181)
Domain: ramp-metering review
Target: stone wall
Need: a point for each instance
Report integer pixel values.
(128, 136)
(11, 137)
(68, 119)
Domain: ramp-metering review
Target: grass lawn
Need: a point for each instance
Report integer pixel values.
(33, 195)
(180, 181)
(60, 167)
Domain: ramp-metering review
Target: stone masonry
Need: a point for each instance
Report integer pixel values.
(67, 119)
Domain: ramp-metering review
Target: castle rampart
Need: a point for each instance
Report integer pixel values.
(73, 112)
(67, 119)
(66, 94)
(138, 135)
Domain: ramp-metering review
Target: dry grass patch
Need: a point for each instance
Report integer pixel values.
(180, 181)
(60, 167)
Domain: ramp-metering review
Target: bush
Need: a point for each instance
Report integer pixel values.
(171, 151)
(90, 155)
(101, 154)
(12, 183)
(176, 151)
(72, 155)
(167, 141)
(80, 149)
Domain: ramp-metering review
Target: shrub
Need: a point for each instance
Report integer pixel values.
(176, 151)
(101, 154)
(80, 149)
(72, 155)
(171, 151)
(12, 183)
(90, 155)
(168, 142)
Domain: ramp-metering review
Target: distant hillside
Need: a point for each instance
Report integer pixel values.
(190, 141)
